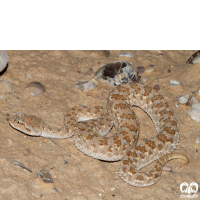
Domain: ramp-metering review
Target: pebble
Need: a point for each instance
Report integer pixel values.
(112, 189)
(3, 59)
(198, 93)
(197, 140)
(192, 101)
(167, 168)
(196, 105)
(86, 85)
(45, 175)
(144, 78)
(140, 70)
(184, 99)
(36, 195)
(156, 87)
(125, 55)
(196, 59)
(174, 82)
(150, 69)
(195, 114)
(35, 88)
(105, 53)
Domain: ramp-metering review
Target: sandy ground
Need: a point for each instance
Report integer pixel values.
(77, 176)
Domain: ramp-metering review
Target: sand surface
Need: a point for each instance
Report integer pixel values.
(77, 176)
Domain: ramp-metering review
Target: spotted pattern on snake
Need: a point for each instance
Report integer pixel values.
(90, 125)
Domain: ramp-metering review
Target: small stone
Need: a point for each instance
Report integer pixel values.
(184, 99)
(150, 69)
(86, 85)
(196, 59)
(112, 189)
(167, 168)
(156, 87)
(174, 82)
(105, 53)
(144, 79)
(3, 60)
(45, 175)
(36, 195)
(195, 114)
(125, 55)
(192, 101)
(196, 105)
(197, 140)
(198, 93)
(140, 70)
(35, 88)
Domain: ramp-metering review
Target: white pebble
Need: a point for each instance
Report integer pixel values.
(184, 99)
(86, 85)
(3, 59)
(167, 168)
(144, 79)
(195, 114)
(150, 69)
(174, 82)
(125, 55)
(196, 59)
(112, 189)
(197, 140)
(198, 93)
(196, 105)
(192, 101)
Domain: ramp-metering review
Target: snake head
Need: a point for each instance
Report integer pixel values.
(28, 124)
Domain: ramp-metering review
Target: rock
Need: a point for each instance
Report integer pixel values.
(198, 93)
(140, 70)
(192, 101)
(196, 59)
(86, 85)
(150, 69)
(184, 99)
(197, 140)
(144, 79)
(195, 114)
(174, 82)
(167, 168)
(45, 176)
(125, 55)
(193, 58)
(105, 53)
(196, 105)
(3, 59)
(35, 88)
